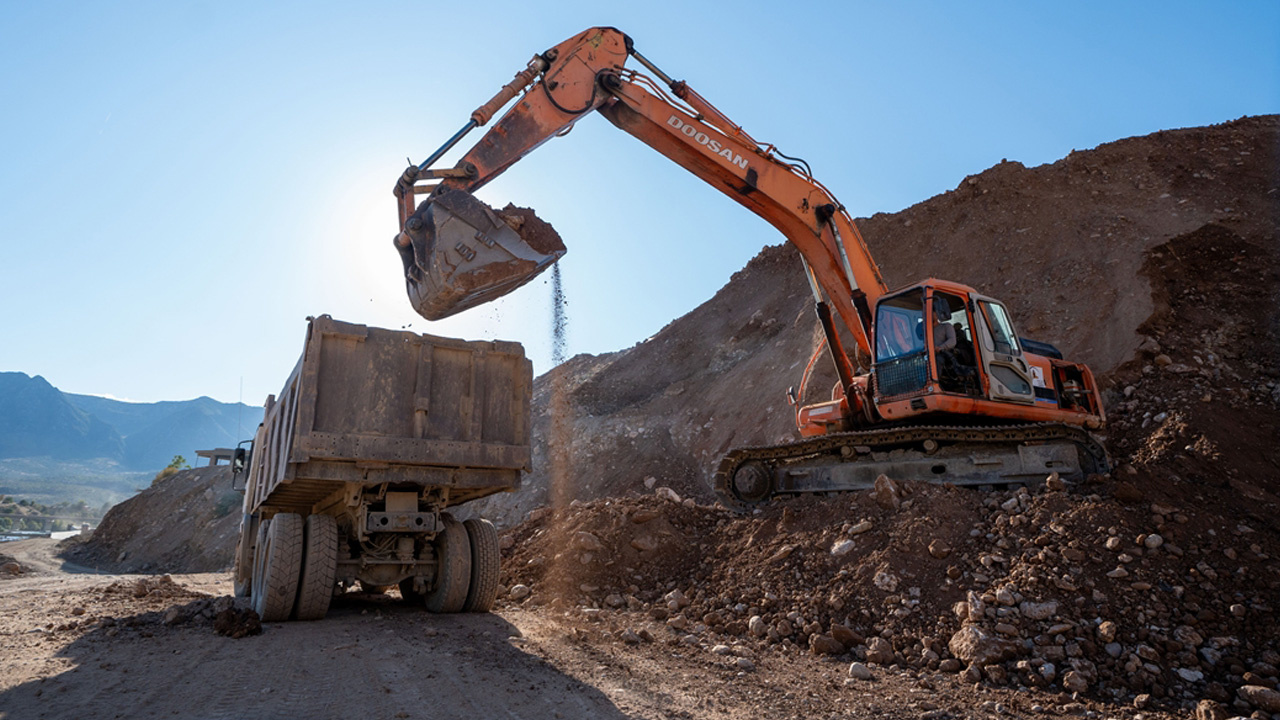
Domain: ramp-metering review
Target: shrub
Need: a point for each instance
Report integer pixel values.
(177, 463)
(164, 475)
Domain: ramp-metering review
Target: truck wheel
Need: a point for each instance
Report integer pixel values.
(242, 578)
(484, 565)
(453, 569)
(275, 585)
(319, 563)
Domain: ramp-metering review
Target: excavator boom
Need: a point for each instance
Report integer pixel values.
(584, 74)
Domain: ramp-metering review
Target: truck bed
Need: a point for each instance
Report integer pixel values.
(372, 406)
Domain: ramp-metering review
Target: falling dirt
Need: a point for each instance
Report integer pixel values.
(562, 488)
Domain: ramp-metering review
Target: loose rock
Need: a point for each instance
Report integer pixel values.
(820, 644)
(879, 651)
(858, 671)
(1262, 698)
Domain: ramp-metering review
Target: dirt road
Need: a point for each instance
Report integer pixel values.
(76, 644)
(372, 656)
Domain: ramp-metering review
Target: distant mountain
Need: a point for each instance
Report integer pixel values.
(39, 421)
(155, 432)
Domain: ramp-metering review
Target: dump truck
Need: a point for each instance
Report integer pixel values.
(350, 477)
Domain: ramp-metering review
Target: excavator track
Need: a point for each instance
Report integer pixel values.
(843, 461)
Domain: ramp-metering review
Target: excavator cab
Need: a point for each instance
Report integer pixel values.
(943, 348)
(459, 253)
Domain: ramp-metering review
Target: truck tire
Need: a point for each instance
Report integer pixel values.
(453, 569)
(275, 585)
(485, 559)
(242, 577)
(319, 563)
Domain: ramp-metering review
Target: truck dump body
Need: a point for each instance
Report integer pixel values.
(373, 406)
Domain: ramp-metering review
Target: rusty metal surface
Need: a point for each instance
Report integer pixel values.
(376, 406)
(458, 253)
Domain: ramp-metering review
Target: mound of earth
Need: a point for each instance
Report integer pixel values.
(9, 567)
(1065, 589)
(184, 523)
(1065, 245)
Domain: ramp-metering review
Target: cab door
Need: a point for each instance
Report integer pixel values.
(1008, 375)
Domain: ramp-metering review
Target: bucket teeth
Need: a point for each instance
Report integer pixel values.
(459, 253)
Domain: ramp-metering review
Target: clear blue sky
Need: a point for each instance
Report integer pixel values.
(181, 184)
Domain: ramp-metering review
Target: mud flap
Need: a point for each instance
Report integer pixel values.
(460, 253)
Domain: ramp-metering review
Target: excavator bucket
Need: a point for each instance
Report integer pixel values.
(459, 252)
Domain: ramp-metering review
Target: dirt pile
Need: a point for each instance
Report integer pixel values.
(184, 523)
(1063, 244)
(1067, 589)
(147, 606)
(9, 567)
(1197, 411)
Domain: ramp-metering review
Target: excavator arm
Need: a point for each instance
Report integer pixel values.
(587, 73)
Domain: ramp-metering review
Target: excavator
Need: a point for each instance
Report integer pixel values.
(939, 387)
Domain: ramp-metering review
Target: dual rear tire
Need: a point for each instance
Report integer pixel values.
(293, 567)
(453, 569)
(319, 564)
(277, 560)
(295, 563)
(467, 568)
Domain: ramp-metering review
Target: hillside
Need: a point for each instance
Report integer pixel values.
(155, 432)
(184, 523)
(1063, 244)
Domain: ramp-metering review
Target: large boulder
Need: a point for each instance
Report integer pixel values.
(976, 646)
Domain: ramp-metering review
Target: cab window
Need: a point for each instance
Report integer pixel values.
(1006, 342)
(900, 326)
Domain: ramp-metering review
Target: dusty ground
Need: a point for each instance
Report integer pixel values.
(78, 644)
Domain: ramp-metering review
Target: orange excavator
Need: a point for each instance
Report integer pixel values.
(948, 393)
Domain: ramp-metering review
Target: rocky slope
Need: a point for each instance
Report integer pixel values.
(185, 523)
